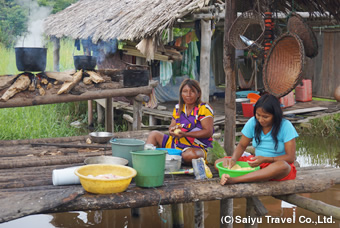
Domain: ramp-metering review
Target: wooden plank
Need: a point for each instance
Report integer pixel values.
(304, 110)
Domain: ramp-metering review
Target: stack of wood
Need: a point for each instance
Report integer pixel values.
(165, 53)
(44, 81)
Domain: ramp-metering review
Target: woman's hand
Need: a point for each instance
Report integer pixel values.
(227, 162)
(256, 161)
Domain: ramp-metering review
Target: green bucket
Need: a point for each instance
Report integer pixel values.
(122, 147)
(150, 165)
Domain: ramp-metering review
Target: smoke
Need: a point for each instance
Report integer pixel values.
(37, 15)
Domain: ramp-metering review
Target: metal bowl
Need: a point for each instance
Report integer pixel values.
(101, 137)
(106, 160)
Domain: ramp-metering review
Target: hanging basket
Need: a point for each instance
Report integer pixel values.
(297, 25)
(249, 24)
(284, 65)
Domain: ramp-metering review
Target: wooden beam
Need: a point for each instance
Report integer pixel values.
(315, 206)
(205, 59)
(230, 80)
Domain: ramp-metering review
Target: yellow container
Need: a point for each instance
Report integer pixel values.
(100, 186)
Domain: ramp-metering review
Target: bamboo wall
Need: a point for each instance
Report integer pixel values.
(324, 69)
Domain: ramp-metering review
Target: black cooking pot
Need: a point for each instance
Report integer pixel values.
(30, 59)
(84, 62)
(135, 78)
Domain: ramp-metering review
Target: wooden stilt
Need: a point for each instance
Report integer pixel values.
(250, 213)
(135, 212)
(199, 214)
(177, 215)
(226, 213)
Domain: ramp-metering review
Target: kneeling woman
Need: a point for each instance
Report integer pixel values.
(274, 140)
(192, 124)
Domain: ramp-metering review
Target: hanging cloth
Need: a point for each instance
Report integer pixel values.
(165, 72)
(243, 83)
(189, 60)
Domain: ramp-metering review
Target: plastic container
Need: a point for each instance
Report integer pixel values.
(105, 186)
(171, 151)
(122, 147)
(244, 93)
(150, 166)
(239, 102)
(172, 162)
(304, 92)
(248, 109)
(65, 176)
(253, 97)
(288, 100)
(235, 173)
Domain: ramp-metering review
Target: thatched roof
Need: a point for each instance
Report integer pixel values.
(122, 19)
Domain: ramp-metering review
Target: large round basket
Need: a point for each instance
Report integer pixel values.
(284, 65)
(297, 25)
(249, 24)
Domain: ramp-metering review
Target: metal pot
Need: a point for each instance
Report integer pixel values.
(84, 62)
(135, 78)
(30, 59)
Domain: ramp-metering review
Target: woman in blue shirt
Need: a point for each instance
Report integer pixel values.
(274, 140)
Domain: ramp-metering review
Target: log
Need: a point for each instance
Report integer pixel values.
(68, 85)
(96, 78)
(19, 85)
(199, 214)
(190, 191)
(7, 80)
(177, 215)
(226, 209)
(60, 76)
(43, 200)
(71, 145)
(250, 213)
(315, 206)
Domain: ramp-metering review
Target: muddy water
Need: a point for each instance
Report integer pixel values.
(310, 151)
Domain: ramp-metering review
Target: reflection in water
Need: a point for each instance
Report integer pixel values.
(310, 151)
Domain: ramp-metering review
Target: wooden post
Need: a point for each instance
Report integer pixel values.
(226, 213)
(177, 215)
(205, 59)
(56, 53)
(90, 113)
(230, 81)
(137, 115)
(108, 115)
(199, 214)
(100, 113)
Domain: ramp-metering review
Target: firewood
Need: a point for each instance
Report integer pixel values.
(87, 81)
(96, 78)
(19, 85)
(59, 76)
(31, 86)
(67, 86)
(7, 80)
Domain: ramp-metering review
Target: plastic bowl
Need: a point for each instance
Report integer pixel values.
(106, 160)
(99, 186)
(173, 162)
(101, 137)
(235, 173)
(171, 151)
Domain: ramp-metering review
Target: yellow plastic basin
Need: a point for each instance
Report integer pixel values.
(99, 186)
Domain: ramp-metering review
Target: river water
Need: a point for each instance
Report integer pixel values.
(311, 151)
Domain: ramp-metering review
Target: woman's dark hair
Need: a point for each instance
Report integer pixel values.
(269, 104)
(194, 85)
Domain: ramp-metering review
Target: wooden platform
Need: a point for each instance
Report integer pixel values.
(298, 113)
(26, 180)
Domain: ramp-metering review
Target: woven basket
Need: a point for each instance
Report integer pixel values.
(297, 25)
(249, 24)
(284, 65)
